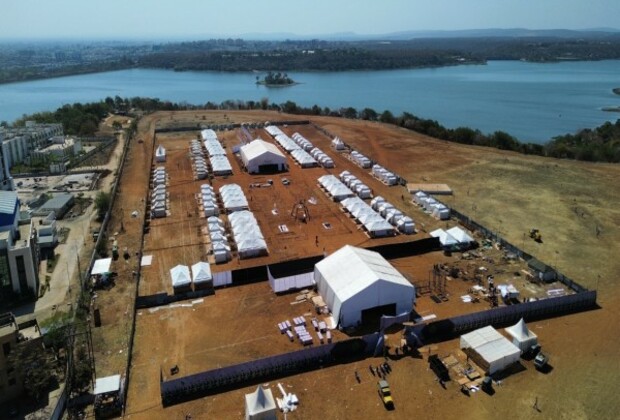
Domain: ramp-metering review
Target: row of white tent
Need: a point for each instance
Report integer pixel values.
(453, 237)
(200, 275)
(220, 165)
(273, 130)
(219, 241)
(159, 176)
(199, 163)
(435, 208)
(374, 224)
(303, 158)
(214, 147)
(324, 160)
(392, 215)
(384, 175)
(160, 154)
(208, 200)
(159, 200)
(338, 144)
(248, 236)
(233, 198)
(335, 187)
(362, 190)
(359, 159)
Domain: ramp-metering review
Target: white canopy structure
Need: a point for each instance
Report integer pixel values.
(208, 134)
(259, 156)
(522, 337)
(220, 165)
(440, 211)
(101, 266)
(335, 188)
(221, 252)
(247, 234)
(160, 154)
(445, 239)
(337, 144)
(233, 197)
(360, 159)
(201, 274)
(214, 148)
(260, 405)
(356, 284)
(273, 130)
(374, 224)
(303, 158)
(406, 225)
(180, 276)
(460, 235)
(417, 197)
(494, 349)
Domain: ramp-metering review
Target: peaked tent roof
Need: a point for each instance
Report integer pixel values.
(201, 272)
(460, 235)
(260, 401)
(444, 237)
(180, 276)
(520, 331)
(258, 147)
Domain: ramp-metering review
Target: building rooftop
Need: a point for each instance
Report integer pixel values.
(8, 201)
(58, 202)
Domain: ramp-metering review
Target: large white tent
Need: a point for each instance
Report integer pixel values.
(180, 277)
(335, 187)
(460, 235)
(445, 239)
(522, 337)
(233, 197)
(260, 405)
(208, 134)
(354, 280)
(247, 233)
(259, 156)
(220, 165)
(494, 349)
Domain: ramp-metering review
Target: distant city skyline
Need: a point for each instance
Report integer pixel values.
(196, 19)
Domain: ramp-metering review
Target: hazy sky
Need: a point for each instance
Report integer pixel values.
(119, 19)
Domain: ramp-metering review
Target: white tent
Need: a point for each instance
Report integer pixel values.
(233, 197)
(406, 225)
(522, 337)
(335, 187)
(221, 252)
(247, 233)
(201, 274)
(445, 239)
(354, 280)
(417, 197)
(303, 158)
(101, 266)
(376, 202)
(160, 154)
(260, 405)
(460, 235)
(214, 148)
(259, 156)
(221, 165)
(440, 211)
(492, 347)
(337, 144)
(180, 277)
(208, 134)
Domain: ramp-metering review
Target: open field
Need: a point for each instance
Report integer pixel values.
(505, 191)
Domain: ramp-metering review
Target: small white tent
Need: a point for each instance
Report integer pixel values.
(181, 278)
(460, 235)
(260, 405)
(160, 154)
(201, 275)
(522, 337)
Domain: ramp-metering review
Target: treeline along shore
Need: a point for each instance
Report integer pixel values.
(600, 144)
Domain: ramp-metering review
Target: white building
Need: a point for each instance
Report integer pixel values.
(359, 285)
(18, 143)
(259, 156)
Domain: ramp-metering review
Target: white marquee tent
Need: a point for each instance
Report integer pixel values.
(260, 405)
(460, 235)
(160, 154)
(495, 349)
(445, 239)
(352, 280)
(233, 197)
(260, 156)
(247, 233)
(181, 277)
(522, 336)
(201, 274)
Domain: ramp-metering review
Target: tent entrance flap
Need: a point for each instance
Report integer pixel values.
(372, 316)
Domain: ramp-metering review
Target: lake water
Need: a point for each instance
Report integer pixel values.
(531, 101)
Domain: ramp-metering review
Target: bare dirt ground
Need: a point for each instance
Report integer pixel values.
(506, 191)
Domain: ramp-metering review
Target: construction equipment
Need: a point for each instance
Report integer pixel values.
(385, 394)
(535, 235)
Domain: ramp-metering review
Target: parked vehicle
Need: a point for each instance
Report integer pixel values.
(385, 394)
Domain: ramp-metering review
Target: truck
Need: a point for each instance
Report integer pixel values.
(385, 394)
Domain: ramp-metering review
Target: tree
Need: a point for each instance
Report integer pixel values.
(387, 117)
(102, 203)
(117, 125)
(368, 114)
(32, 362)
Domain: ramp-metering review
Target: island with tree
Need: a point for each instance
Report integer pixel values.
(275, 80)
